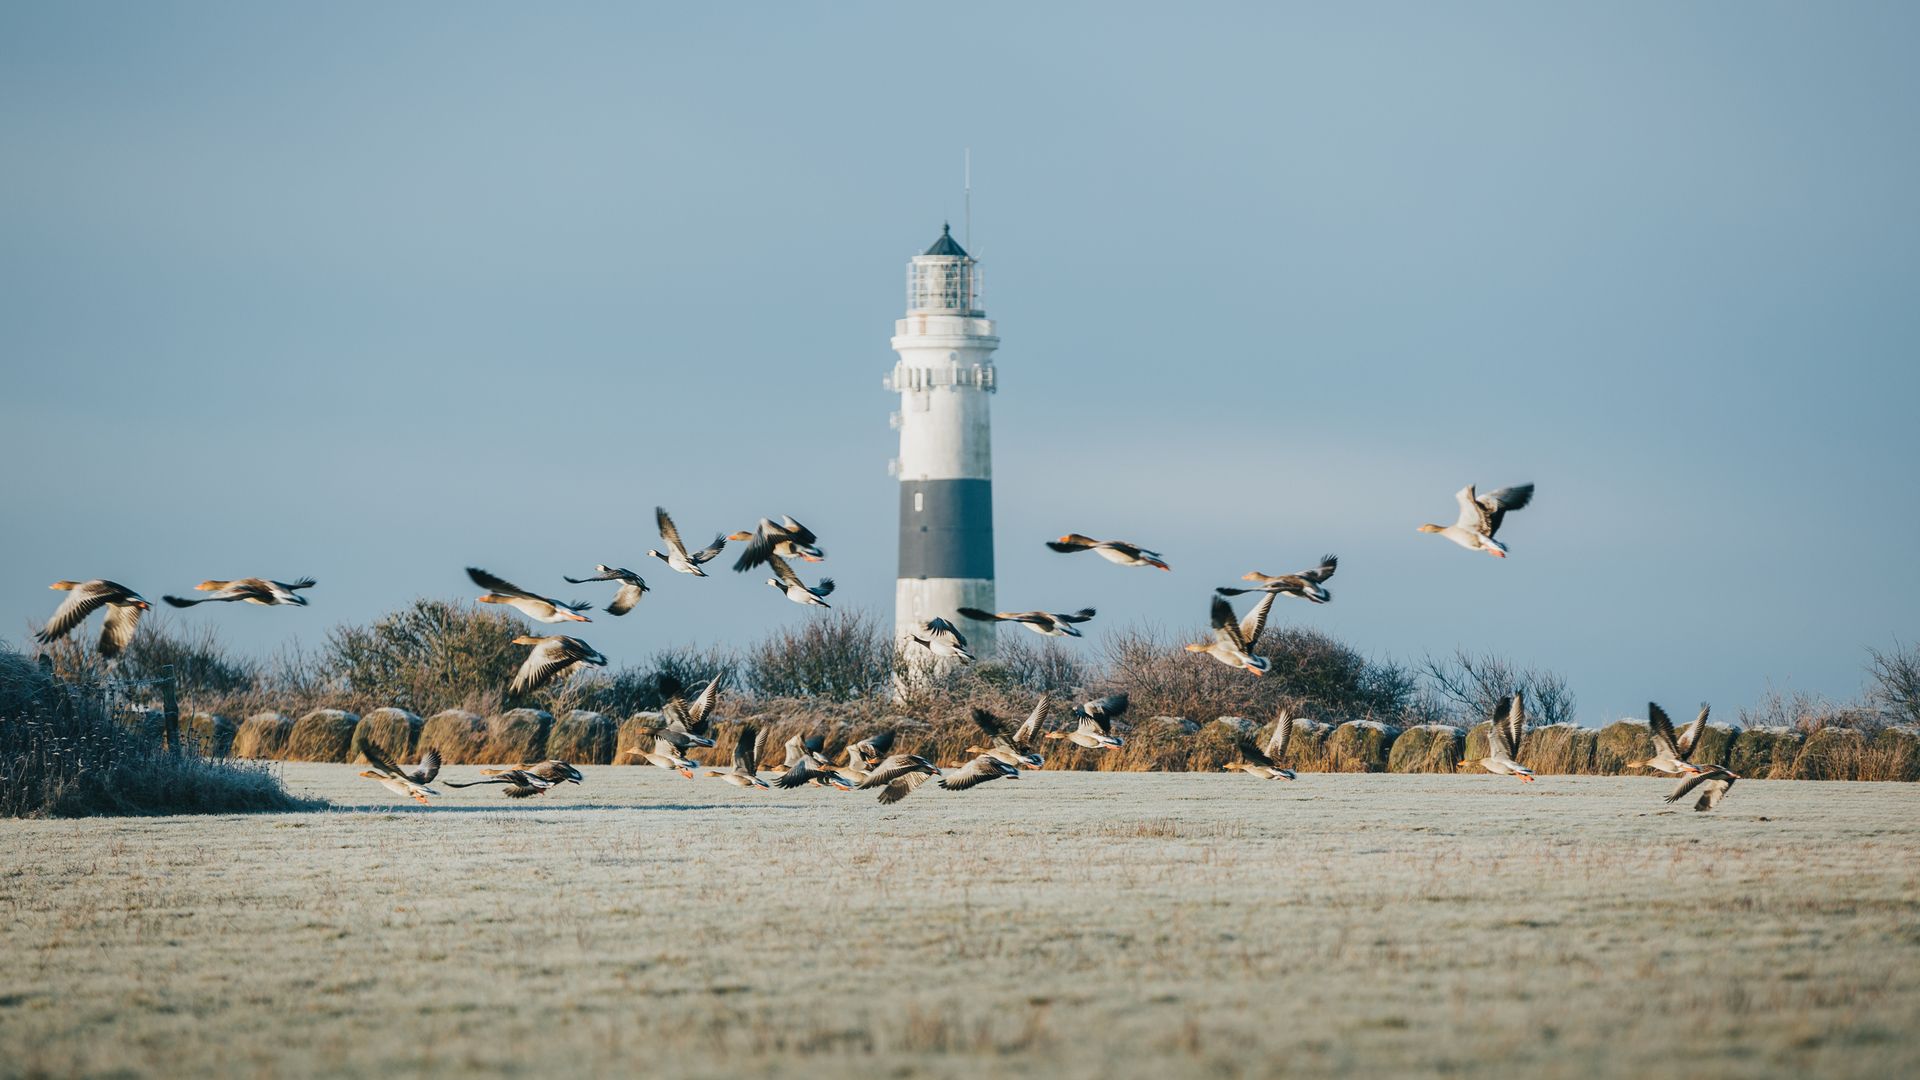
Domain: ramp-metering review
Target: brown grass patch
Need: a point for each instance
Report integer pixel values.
(394, 732)
(1359, 746)
(519, 735)
(1428, 748)
(1831, 753)
(322, 735)
(1562, 749)
(262, 735)
(583, 738)
(459, 735)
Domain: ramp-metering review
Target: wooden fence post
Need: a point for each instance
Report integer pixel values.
(170, 710)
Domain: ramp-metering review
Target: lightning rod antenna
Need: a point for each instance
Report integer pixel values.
(966, 227)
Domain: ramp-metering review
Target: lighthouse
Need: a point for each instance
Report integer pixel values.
(944, 378)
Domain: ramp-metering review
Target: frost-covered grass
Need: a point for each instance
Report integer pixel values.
(1080, 924)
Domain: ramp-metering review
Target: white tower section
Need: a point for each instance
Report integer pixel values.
(945, 378)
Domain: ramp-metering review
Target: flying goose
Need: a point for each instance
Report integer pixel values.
(1096, 723)
(978, 771)
(1265, 761)
(1046, 623)
(553, 771)
(789, 582)
(1480, 518)
(694, 718)
(677, 557)
(412, 785)
(632, 586)
(1017, 750)
(786, 538)
(516, 783)
(1115, 551)
(942, 639)
(253, 590)
(666, 752)
(897, 776)
(532, 605)
(1305, 584)
(1714, 782)
(1503, 741)
(124, 607)
(552, 658)
(1670, 751)
(806, 762)
(870, 750)
(811, 768)
(746, 760)
(1234, 639)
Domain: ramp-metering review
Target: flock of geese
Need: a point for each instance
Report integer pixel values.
(870, 763)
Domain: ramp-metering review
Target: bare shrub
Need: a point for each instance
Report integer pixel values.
(64, 753)
(1807, 713)
(430, 654)
(201, 667)
(1471, 685)
(1895, 683)
(838, 656)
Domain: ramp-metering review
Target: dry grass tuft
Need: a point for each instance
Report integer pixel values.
(520, 735)
(1620, 742)
(459, 735)
(1359, 746)
(1895, 755)
(394, 732)
(583, 738)
(1716, 745)
(1765, 753)
(66, 752)
(209, 734)
(263, 736)
(1566, 749)
(322, 735)
(1427, 748)
(1475, 746)
(1831, 753)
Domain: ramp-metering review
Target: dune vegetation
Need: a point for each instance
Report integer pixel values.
(434, 674)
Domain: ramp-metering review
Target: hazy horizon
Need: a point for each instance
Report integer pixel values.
(373, 295)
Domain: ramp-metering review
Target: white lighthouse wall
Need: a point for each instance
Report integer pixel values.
(915, 600)
(944, 376)
(946, 434)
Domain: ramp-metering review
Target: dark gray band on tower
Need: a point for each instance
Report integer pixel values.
(947, 531)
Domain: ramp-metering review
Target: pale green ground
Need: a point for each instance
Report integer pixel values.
(1065, 924)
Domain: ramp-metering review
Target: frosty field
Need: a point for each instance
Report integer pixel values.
(1076, 924)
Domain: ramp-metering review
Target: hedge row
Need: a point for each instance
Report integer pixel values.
(1159, 743)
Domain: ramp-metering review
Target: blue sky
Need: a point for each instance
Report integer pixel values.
(372, 292)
